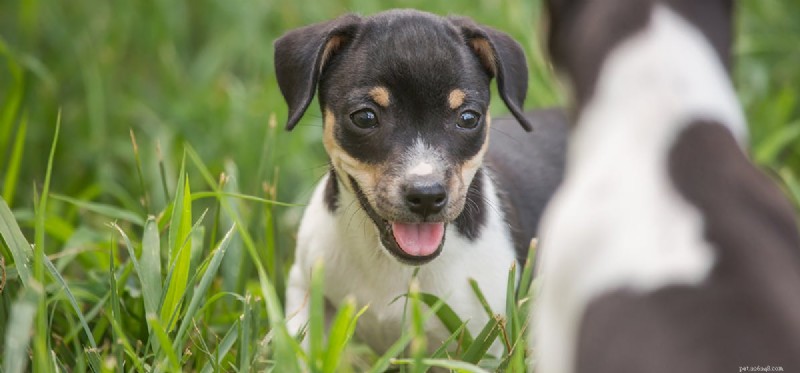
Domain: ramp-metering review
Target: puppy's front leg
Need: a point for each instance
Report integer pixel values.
(297, 302)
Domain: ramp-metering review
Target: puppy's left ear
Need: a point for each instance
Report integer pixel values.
(504, 59)
(301, 55)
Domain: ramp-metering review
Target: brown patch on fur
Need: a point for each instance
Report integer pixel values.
(485, 52)
(344, 164)
(332, 46)
(456, 98)
(380, 95)
(471, 166)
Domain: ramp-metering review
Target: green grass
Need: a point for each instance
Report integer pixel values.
(141, 152)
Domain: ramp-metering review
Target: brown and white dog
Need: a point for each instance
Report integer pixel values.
(665, 249)
(414, 184)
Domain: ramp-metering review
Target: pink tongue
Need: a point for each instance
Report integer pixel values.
(418, 239)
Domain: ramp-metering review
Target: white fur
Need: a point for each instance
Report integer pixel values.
(357, 265)
(421, 159)
(618, 221)
(421, 169)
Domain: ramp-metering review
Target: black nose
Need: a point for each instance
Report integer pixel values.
(425, 198)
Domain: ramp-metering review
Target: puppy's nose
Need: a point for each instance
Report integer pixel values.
(425, 198)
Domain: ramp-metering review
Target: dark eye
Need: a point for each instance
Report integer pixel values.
(469, 120)
(364, 118)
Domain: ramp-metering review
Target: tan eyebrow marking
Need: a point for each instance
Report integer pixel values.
(456, 98)
(380, 95)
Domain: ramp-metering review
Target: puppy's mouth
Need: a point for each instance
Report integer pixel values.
(410, 243)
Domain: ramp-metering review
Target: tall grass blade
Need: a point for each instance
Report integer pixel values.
(316, 322)
(342, 329)
(448, 317)
(14, 98)
(285, 345)
(115, 314)
(180, 252)
(18, 335)
(245, 326)
(483, 341)
(16, 242)
(224, 346)
(103, 209)
(166, 344)
(150, 271)
(232, 274)
(12, 170)
(476, 289)
(453, 365)
(203, 286)
(72, 301)
(41, 362)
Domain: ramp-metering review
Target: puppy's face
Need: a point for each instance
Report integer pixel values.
(405, 99)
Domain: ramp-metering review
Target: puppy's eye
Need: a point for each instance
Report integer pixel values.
(469, 120)
(364, 118)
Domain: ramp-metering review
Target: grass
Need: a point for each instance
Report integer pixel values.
(141, 154)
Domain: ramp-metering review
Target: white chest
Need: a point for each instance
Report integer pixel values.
(357, 266)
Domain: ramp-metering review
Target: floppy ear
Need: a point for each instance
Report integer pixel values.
(504, 59)
(300, 56)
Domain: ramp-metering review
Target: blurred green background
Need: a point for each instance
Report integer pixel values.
(200, 73)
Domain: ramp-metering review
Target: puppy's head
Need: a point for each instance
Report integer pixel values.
(405, 98)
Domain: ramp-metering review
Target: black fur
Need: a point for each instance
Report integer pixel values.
(332, 191)
(443, 61)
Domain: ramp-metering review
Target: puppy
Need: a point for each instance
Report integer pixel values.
(405, 98)
(665, 250)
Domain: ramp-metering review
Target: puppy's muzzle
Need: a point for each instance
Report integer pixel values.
(425, 198)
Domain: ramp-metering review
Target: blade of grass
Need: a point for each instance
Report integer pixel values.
(443, 349)
(419, 339)
(476, 289)
(316, 322)
(40, 351)
(203, 286)
(285, 345)
(526, 278)
(16, 243)
(166, 344)
(454, 365)
(103, 209)
(72, 301)
(222, 350)
(244, 335)
(180, 252)
(12, 172)
(139, 173)
(20, 325)
(448, 317)
(341, 331)
(115, 315)
(232, 274)
(399, 346)
(14, 98)
(150, 272)
(483, 341)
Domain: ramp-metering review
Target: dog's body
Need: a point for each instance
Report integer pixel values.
(665, 249)
(405, 101)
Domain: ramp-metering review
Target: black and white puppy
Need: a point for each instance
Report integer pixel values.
(405, 98)
(665, 249)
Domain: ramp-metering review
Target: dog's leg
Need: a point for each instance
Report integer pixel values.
(297, 303)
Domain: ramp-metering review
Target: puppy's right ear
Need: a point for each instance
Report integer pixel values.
(300, 56)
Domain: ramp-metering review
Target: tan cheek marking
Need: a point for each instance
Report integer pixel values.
(470, 167)
(456, 98)
(380, 95)
(366, 175)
